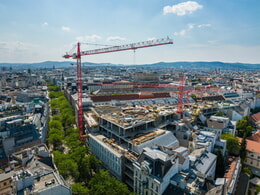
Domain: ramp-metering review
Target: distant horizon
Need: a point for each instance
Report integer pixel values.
(206, 65)
(50, 61)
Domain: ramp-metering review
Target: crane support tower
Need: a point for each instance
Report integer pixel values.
(180, 95)
(77, 55)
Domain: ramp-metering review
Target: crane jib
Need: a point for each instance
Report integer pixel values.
(132, 46)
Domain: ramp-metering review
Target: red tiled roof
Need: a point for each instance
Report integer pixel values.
(230, 171)
(256, 117)
(104, 98)
(253, 146)
(255, 137)
(161, 95)
(142, 95)
(146, 95)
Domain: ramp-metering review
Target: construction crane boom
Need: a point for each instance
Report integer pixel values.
(132, 46)
(77, 55)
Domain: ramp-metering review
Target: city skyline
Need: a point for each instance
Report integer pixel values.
(36, 31)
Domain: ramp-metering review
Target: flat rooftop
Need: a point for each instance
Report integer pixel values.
(112, 145)
(148, 136)
(45, 181)
(132, 115)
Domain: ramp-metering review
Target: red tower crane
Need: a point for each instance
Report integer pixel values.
(180, 95)
(77, 55)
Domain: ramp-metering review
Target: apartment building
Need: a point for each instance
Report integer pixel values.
(153, 171)
(33, 172)
(219, 125)
(6, 183)
(232, 174)
(124, 134)
(253, 155)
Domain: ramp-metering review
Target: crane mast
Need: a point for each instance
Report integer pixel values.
(79, 87)
(77, 55)
(180, 95)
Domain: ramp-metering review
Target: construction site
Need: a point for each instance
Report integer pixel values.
(149, 131)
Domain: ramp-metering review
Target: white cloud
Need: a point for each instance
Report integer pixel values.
(16, 45)
(65, 28)
(45, 24)
(116, 38)
(182, 9)
(91, 38)
(191, 26)
(204, 25)
(181, 33)
(184, 31)
(3, 44)
(212, 41)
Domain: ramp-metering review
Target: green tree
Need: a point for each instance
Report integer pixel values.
(79, 189)
(257, 189)
(62, 98)
(53, 88)
(54, 103)
(72, 138)
(70, 132)
(55, 140)
(59, 157)
(55, 124)
(55, 94)
(56, 117)
(103, 184)
(243, 127)
(67, 117)
(248, 131)
(70, 120)
(56, 131)
(220, 167)
(193, 96)
(87, 165)
(69, 168)
(78, 153)
(66, 166)
(233, 146)
(248, 172)
(94, 164)
(64, 104)
(220, 114)
(85, 173)
(243, 150)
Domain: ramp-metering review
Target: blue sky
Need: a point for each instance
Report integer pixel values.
(202, 30)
